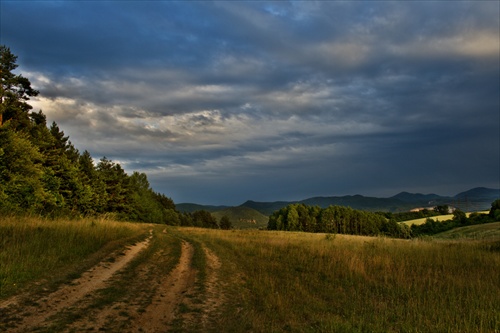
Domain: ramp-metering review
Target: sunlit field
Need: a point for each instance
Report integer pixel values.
(33, 248)
(436, 218)
(303, 282)
(286, 281)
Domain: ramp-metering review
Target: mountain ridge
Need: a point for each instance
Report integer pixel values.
(475, 199)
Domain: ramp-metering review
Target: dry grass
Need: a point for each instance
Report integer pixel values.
(293, 282)
(33, 248)
(303, 282)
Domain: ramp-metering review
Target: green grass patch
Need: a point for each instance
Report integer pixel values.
(487, 231)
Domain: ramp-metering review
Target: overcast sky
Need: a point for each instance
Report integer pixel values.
(220, 102)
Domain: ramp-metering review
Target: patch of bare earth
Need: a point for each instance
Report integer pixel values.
(197, 307)
(160, 313)
(151, 297)
(131, 291)
(214, 295)
(27, 312)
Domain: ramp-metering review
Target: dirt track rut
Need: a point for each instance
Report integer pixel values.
(42, 309)
(148, 298)
(160, 313)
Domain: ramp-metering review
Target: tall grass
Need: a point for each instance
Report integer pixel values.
(33, 248)
(320, 283)
(485, 232)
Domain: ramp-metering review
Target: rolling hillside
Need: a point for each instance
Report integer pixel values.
(476, 199)
(243, 217)
(192, 207)
(488, 231)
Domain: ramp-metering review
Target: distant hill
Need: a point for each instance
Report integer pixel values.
(479, 193)
(476, 199)
(243, 217)
(416, 197)
(354, 201)
(266, 208)
(192, 207)
(359, 202)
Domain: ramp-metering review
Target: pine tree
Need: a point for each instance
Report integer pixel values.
(15, 91)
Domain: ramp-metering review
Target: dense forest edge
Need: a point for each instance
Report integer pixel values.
(43, 174)
(345, 220)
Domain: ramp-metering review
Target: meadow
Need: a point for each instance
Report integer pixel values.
(35, 249)
(436, 218)
(302, 282)
(275, 281)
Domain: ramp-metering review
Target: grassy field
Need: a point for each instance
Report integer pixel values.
(483, 232)
(283, 281)
(298, 282)
(436, 218)
(32, 249)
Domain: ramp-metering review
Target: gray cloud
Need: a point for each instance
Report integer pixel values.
(220, 102)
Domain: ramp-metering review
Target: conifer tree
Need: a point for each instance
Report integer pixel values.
(42, 172)
(15, 90)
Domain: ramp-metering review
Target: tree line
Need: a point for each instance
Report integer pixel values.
(42, 173)
(413, 215)
(335, 219)
(345, 220)
(460, 219)
(203, 219)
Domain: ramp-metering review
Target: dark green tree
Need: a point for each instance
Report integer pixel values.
(21, 174)
(116, 184)
(459, 217)
(15, 91)
(225, 223)
(292, 218)
(203, 218)
(442, 209)
(495, 210)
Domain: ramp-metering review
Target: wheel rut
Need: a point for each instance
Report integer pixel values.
(151, 297)
(27, 314)
(160, 313)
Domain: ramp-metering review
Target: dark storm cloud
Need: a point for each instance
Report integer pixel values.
(219, 102)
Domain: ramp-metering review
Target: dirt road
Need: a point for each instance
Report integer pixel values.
(152, 286)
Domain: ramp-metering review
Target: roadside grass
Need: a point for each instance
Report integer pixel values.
(131, 290)
(299, 282)
(36, 249)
